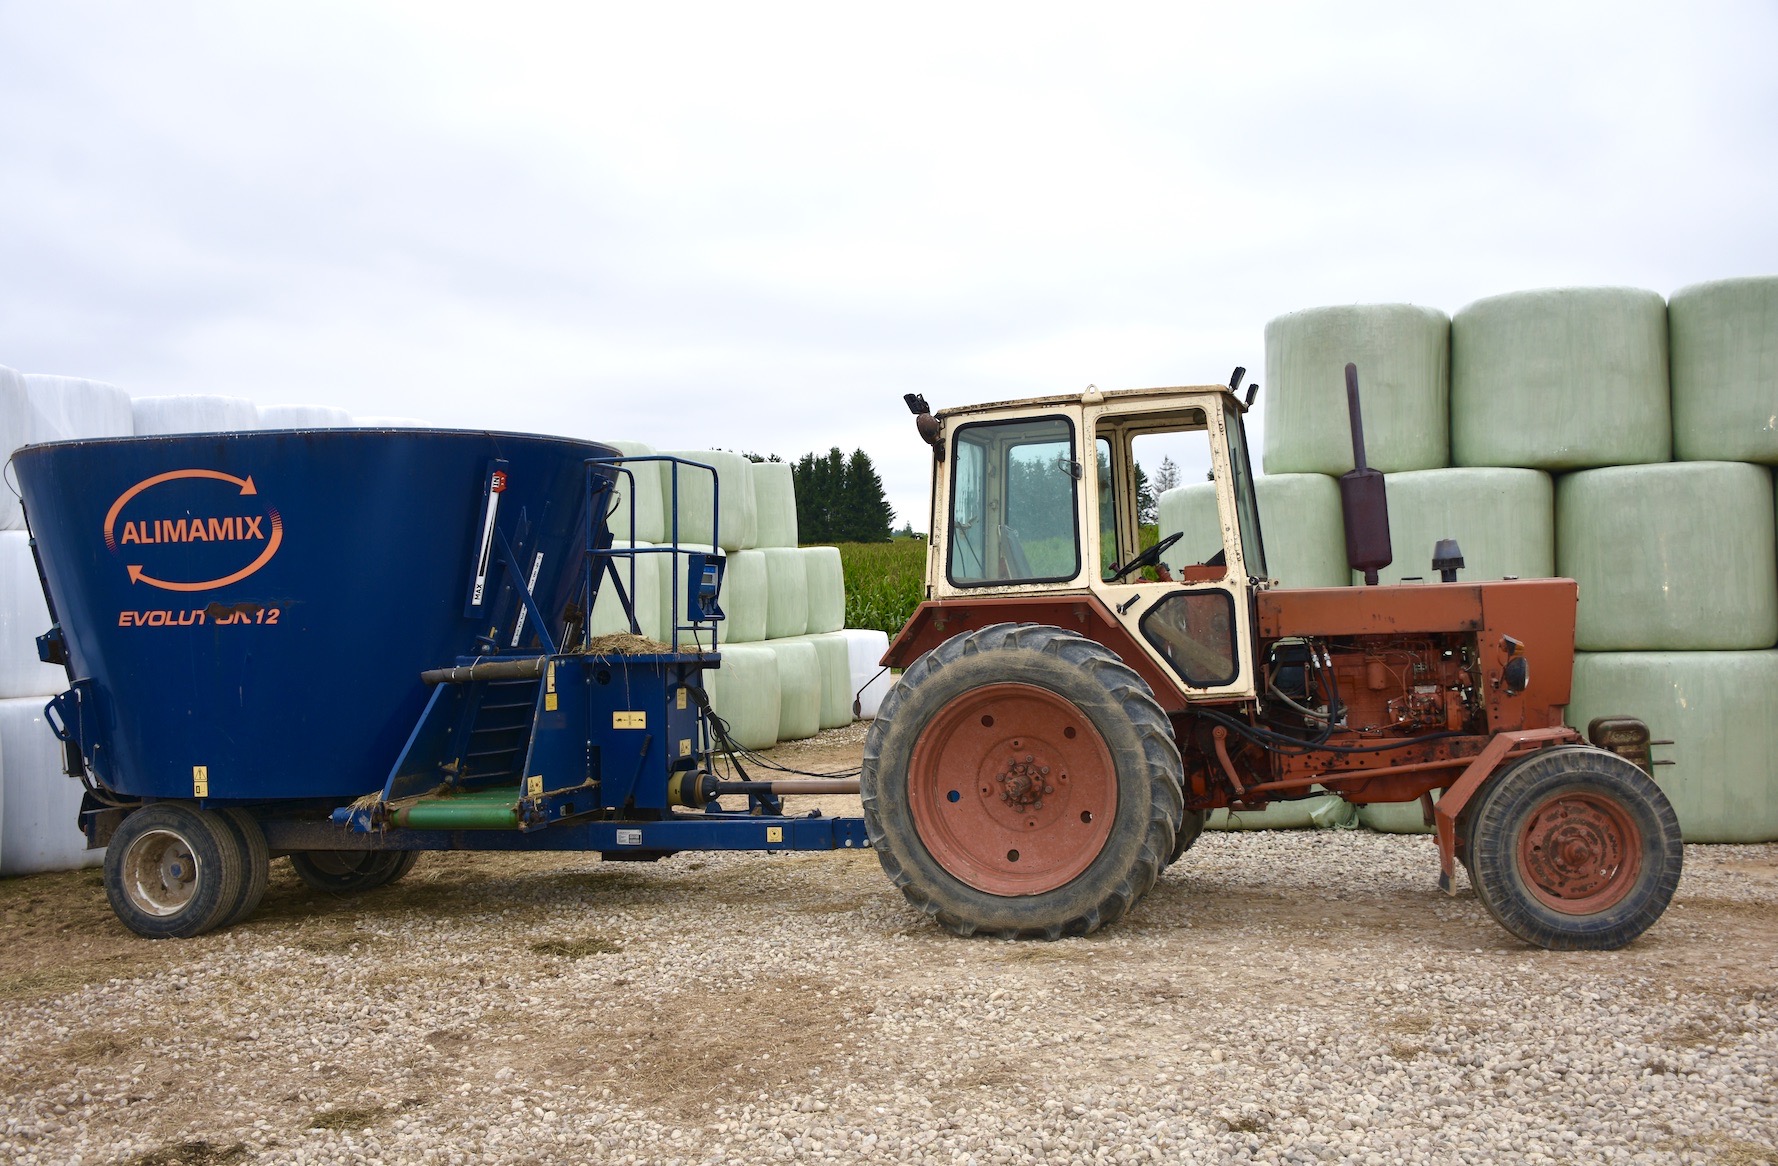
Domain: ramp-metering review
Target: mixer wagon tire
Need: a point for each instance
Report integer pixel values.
(404, 862)
(1191, 826)
(1020, 781)
(255, 863)
(1575, 849)
(173, 871)
(348, 872)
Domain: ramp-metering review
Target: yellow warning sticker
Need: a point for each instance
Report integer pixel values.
(549, 702)
(534, 786)
(685, 747)
(681, 697)
(774, 833)
(549, 683)
(631, 720)
(200, 781)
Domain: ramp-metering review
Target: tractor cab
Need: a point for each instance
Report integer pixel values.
(1039, 500)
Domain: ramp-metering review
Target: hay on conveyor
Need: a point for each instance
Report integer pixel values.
(624, 644)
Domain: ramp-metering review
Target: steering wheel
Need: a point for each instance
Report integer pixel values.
(1149, 558)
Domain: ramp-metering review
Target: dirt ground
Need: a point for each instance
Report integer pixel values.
(1277, 997)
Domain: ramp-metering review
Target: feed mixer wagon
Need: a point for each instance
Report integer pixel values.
(351, 646)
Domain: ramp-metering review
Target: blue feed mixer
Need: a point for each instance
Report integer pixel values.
(247, 615)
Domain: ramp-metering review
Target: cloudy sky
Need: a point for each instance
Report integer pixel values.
(755, 226)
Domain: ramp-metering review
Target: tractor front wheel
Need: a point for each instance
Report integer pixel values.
(1574, 849)
(1021, 781)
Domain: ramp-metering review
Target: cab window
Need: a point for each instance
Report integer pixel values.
(1013, 516)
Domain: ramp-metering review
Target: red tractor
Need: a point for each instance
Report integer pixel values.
(1072, 706)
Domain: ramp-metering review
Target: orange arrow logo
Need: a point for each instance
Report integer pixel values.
(247, 487)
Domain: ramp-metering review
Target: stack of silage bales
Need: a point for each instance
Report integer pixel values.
(1566, 409)
(39, 804)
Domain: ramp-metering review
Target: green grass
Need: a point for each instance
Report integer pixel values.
(884, 582)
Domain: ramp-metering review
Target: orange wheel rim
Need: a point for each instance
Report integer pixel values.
(1580, 853)
(1012, 790)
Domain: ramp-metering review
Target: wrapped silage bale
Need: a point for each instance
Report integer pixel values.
(835, 657)
(194, 413)
(1321, 812)
(1403, 354)
(1725, 370)
(40, 830)
(743, 597)
(774, 502)
(389, 423)
(1504, 521)
(649, 518)
(825, 578)
(739, 519)
(870, 681)
(15, 430)
(1670, 558)
(744, 692)
(23, 617)
(799, 688)
(74, 409)
(647, 595)
(1717, 709)
(1561, 379)
(787, 592)
(1396, 817)
(304, 417)
(1299, 519)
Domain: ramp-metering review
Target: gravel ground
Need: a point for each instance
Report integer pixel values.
(1282, 997)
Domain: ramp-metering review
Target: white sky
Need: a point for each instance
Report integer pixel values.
(757, 226)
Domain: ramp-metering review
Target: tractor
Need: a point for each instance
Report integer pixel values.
(1072, 706)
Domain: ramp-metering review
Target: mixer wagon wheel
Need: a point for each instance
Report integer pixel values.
(347, 872)
(1021, 781)
(173, 871)
(255, 863)
(1574, 849)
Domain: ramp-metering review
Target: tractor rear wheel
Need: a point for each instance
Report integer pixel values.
(1191, 825)
(1575, 849)
(1021, 781)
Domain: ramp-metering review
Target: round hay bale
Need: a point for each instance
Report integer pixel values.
(1725, 370)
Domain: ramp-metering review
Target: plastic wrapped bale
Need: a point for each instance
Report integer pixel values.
(1561, 379)
(774, 501)
(787, 592)
(388, 423)
(23, 617)
(1303, 529)
(745, 598)
(194, 414)
(1191, 511)
(40, 830)
(1403, 353)
(1716, 708)
(649, 517)
(826, 580)
(1725, 370)
(15, 430)
(834, 654)
(648, 594)
(1670, 558)
(870, 681)
(799, 688)
(1503, 520)
(739, 519)
(304, 417)
(73, 409)
(1395, 817)
(744, 693)
(1321, 812)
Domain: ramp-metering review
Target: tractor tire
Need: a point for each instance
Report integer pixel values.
(1574, 849)
(349, 872)
(1020, 781)
(255, 863)
(1191, 826)
(173, 871)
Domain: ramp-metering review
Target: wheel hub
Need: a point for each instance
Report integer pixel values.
(1012, 789)
(159, 872)
(1580, 853)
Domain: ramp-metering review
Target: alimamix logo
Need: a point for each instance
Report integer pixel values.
(193, 530)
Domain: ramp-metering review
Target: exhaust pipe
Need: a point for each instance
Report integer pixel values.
(1364, 501)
